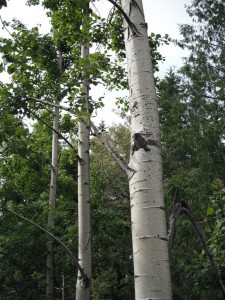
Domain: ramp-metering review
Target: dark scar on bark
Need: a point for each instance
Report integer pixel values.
(141, 143)
(135, 105)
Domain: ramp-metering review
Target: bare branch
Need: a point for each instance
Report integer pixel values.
(108, 146)
(51, 128)
(48, 103)
(5, 27)
(103, 140)
(53, 237)
(172, 224)
(184, 208)
(130, 24)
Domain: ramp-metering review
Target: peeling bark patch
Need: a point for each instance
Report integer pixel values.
(139, 142)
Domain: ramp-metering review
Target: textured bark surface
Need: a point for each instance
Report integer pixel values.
(149, 234)
(83, 290)
(50, 283)
(84, 231)
(50, 287)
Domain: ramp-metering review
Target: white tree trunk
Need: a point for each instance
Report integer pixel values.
(83, 289)
(149, 234)
(50, 287)
(50, 284)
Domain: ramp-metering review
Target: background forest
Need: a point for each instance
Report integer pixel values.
(191, 104)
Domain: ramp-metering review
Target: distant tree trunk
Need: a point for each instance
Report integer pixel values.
(50, 286)
(63, 287)
(149, 234)
(83, 290)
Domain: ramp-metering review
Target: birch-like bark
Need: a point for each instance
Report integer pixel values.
(149, 234)
(83, 289)
(50, 284)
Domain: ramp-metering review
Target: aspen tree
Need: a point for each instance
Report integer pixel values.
(149, 234)
(83, 290)
(50, 285)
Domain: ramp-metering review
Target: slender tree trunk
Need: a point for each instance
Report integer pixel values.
(83, 290)
(149, 234)
(50, 286)
(63, 287)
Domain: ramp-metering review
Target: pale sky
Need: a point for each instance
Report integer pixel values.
(162, 16)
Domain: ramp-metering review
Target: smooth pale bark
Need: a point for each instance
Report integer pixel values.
(149, 234)
(50, 287)
(83, 289)
(50, 284)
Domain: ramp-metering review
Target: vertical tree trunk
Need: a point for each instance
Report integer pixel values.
(83, 290)
(149, 235)
(63, 287)
(50, 284)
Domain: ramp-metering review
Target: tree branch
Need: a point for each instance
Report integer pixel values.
(172, 224)
(108, 146)
(102, 139)
(184, 208)
(4, 26)
(48, 103)
(50, 127)
(130, 24)
(54, 238)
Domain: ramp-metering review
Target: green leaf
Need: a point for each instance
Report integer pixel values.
(11, 68)
(69, 43)
(10, 117)
(210, 211)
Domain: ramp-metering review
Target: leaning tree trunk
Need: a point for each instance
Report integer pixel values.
(149, 235)
(83, 290)
(50, 284)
